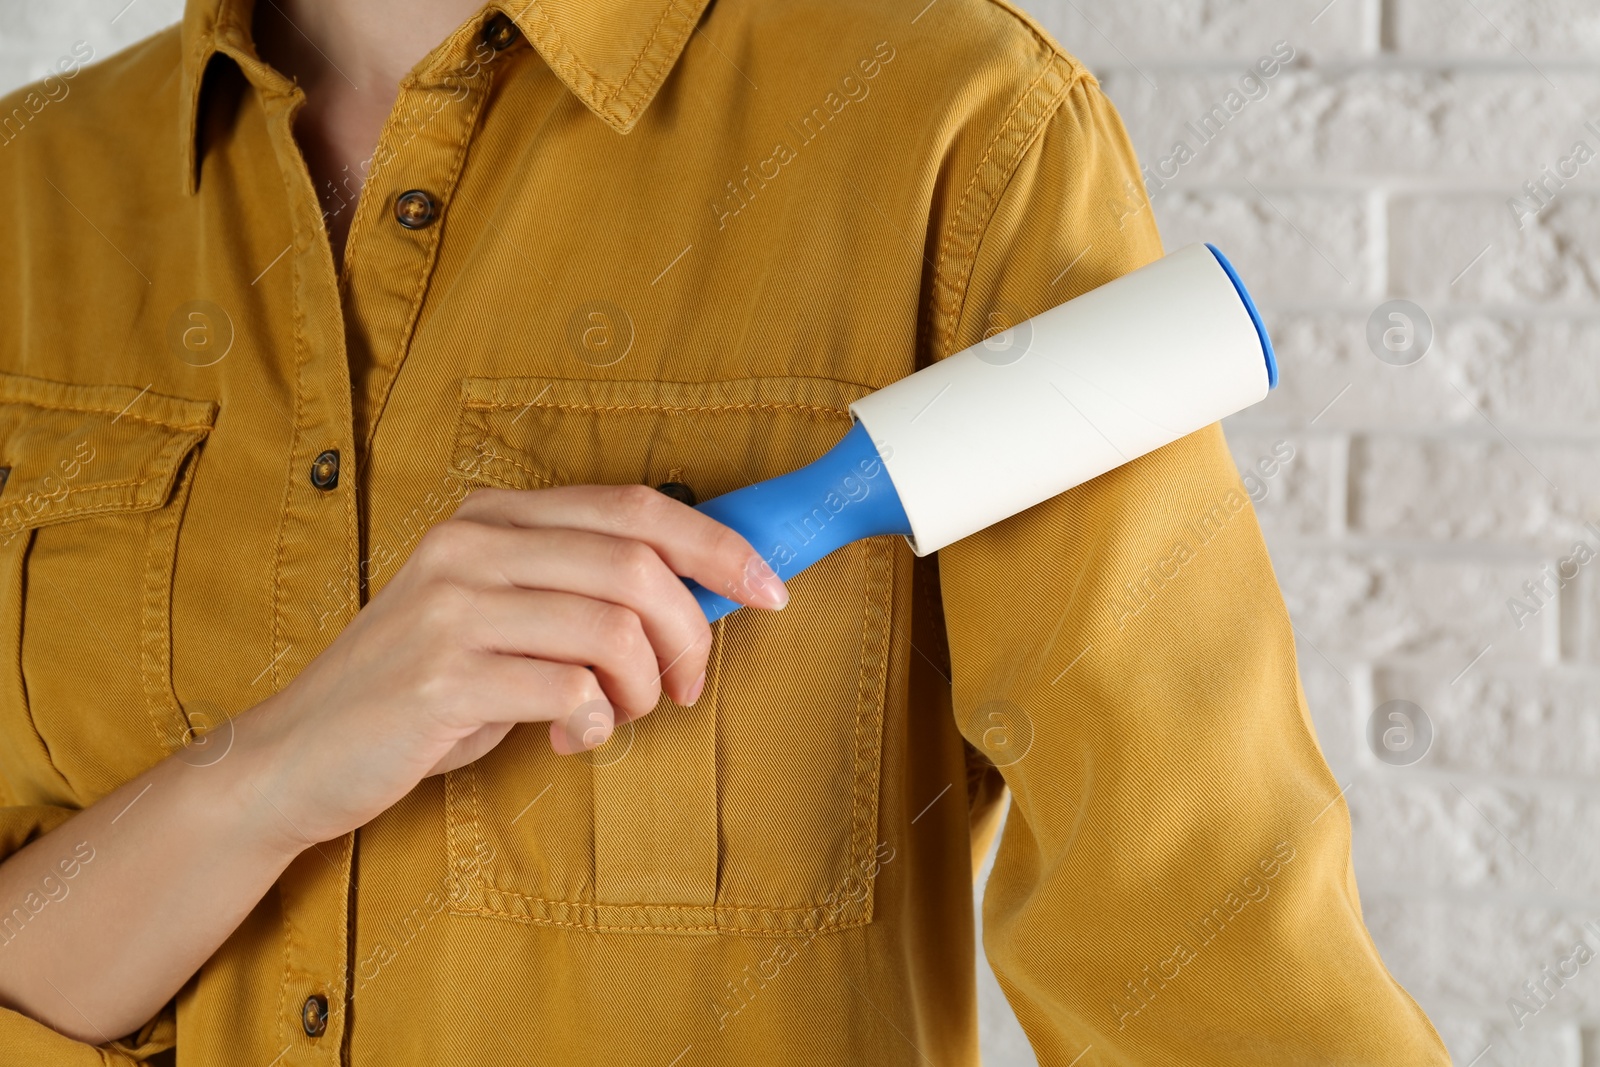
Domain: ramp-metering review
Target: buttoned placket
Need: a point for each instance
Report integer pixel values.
(405, 203)
(346, 353)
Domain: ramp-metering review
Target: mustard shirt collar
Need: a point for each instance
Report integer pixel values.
(612, 54)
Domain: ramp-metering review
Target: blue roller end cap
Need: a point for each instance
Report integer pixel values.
(1255, 316)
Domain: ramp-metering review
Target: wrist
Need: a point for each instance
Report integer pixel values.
(246, 756)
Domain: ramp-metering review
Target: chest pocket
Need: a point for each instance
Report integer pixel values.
(96, 477)
(756, 810)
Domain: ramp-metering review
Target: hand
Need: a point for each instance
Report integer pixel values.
(558, 605)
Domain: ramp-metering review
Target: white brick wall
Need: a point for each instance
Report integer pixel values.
(1378, 164)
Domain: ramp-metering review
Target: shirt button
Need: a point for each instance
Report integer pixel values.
(678, 491)
(414, 209)
(500, 32)
(325, 470)
(314, 1015)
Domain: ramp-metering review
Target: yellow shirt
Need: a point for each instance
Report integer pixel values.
(654, 241)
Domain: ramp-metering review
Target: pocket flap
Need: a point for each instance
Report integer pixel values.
(70, 450)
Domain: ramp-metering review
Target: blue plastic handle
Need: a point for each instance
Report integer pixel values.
(795, 519)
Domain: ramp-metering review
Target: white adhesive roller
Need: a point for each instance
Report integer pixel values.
(1019, 417)
(1068, 395)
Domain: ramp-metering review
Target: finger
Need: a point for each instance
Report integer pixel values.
(498, 688)
(546, 625)
(617, 570)
(587, 728)
(513, 689)
(692, 544)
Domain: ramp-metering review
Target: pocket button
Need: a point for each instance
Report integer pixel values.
(325, 470)
(414, 209)
(500, 32)
(314, 1015)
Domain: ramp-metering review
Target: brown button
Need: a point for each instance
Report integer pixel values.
(500, 32)
(678, 491)
(325, 470)
(414, 209)
(314, 1015)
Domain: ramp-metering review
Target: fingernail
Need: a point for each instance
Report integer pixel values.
(696, 688)
(764, 583)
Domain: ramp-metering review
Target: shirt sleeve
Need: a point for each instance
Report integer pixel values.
(1173, 883)
(25, 1040)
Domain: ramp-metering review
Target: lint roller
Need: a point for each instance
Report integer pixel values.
(1019, 417)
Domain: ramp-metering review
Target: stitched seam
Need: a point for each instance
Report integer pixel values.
(567, 62)
(1002, 174)
(556, 906)
(275, 634)
(814, 408)
(457, 889)
(971, 219)
(161, 466)
(490, 480)
(743, 909)
(958, 225)
(865, 777)
(641, 928)
(714, 676)
(565, 57)
(471, 388)
(857, 818)
(671, 8)
(296, 432)
(475, 818)
(17, 681)
(130, 506)
(629, 98)
(511, 461)
(435, 237)
(80, 489)
(881, 580)
(156, 635)
(288, 967)
(549, 31)
(198, 427)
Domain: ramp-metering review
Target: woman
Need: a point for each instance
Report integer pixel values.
(289, 284)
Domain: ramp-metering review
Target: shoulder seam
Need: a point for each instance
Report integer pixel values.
(1040, 34)
(1009, 144)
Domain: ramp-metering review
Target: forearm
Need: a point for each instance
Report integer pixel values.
(105, 917)
(522, 608)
